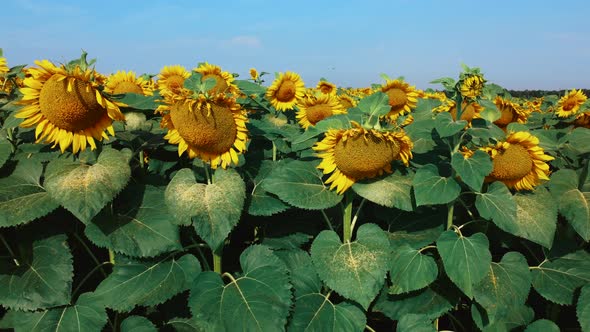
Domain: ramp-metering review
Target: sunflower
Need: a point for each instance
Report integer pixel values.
(570, 103)
(347, 101)
(472, 86)
(326, 87)
(223, 79)
(254, 73)
(510, 112)
(3, 66)
(285, 91)
(66, 106)
(213, 130)
(171, 80)
(127, 82)
(436, 95)
(313, 110)
(355, 154)
(469, 110)
(582, 120)
(519, 162)
(402, 97)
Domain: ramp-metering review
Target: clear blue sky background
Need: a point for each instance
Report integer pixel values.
(518, 44)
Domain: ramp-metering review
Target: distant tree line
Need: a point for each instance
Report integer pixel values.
(540, 93)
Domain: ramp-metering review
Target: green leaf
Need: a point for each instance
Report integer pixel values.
(293, 241)
(516, 316)
(474, 169)
(431, 188)
(542, 325)
(490, 111)
(536, 217)
(578, 140)
(127, 286)
(375, 105)
(558, 279)
(506, 284)
(315, 312)
(139, 102)
(304, 277)
(215, 208)
(498, 205)
(466, 259)
(5, 148)
(262, 203)
(137, 324)
(574, 204)
(416, 230)
(356, 270)
(410, 270)
(184, 325)
(22, 196)
(431, 302)
(415, 323)
(249, 88)
(421, 134)
(583, 308)
(391, 191)
(259, 299)
(445, 126)
(83, 189)
(85, 315)
(138, 225)
(43, 279)
(300, 184)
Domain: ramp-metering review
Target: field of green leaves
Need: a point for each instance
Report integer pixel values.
(197, 200)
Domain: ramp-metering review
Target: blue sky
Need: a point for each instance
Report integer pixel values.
(517, 44)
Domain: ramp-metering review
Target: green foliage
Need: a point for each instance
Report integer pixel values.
(85, 189)
(583, 308)
(315, 312)
(411, 270)
(472, 170)
(391, 191)
(261, 202)
(362, 264)
(137, 324)
(259, 299)
(431, 188)
(446, 126)
(573, 203)
(415, 323)
(41, 279)
(542, 325)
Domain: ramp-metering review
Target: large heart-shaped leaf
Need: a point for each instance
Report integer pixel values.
(300, 184)
(43, 279)
(415, 323)
(261, 202)
(474, 169)
(138, 225)
(446, 126)
(536, 217)
(85, 189)
(315, 312)
(411, 270)
(557, 280)
(466, 259)
(574, 204)
(431, 188)
(498, 205)
(583, 308)
(5, 148)
(259, 299)
(215, 209)
(356, 270)
(145, 283)
(137, 324)
(542, 325)
(391, 191)
(85, 315)
(22, 196)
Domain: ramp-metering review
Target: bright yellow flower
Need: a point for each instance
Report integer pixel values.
(285, 91)
(402, 98)
(570, 104)
(127, 82)
(223, 79)
(472, 86)
(312, 110)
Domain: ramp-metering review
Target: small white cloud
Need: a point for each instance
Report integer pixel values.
(247, 41)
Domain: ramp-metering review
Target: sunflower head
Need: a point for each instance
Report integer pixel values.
(582, 120)
(469, 110)
(171, 80)
(223, 79)
(510, 112)
(570, 104)
(402, 97)
(518, 161)
(472, 86)
(347, 101)
(326, 87)
(355, 154)
(211, 129)
(127, 82)
(253, 74)
(66, 106)
(314, 109)
(3, 66)
(284, 92)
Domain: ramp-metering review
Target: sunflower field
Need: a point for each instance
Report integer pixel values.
(195, 200)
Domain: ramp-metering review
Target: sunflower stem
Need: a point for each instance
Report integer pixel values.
(450, 214)
(207, 175)
(347, 218)
(217, 260)
(274, 151)
(583, 175)
(356, 215)
(141, 156)
(16, 262)
(112, 257)
(10, 137)
(327, 220)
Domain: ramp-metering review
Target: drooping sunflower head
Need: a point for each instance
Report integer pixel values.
(326, 87)
(355, 154)
(570, 104)
(223, 79)
(213, 130)
(171, 80)
(314, 109)
(510, 112)
(347, 101)
(469, 110)
(472, 86)
(253, 73)
(66, 106)
(3, 66)
(582, 120)
(518, 161)
(127, 82)
(402, 97)
(284, 92)
(436, 95)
